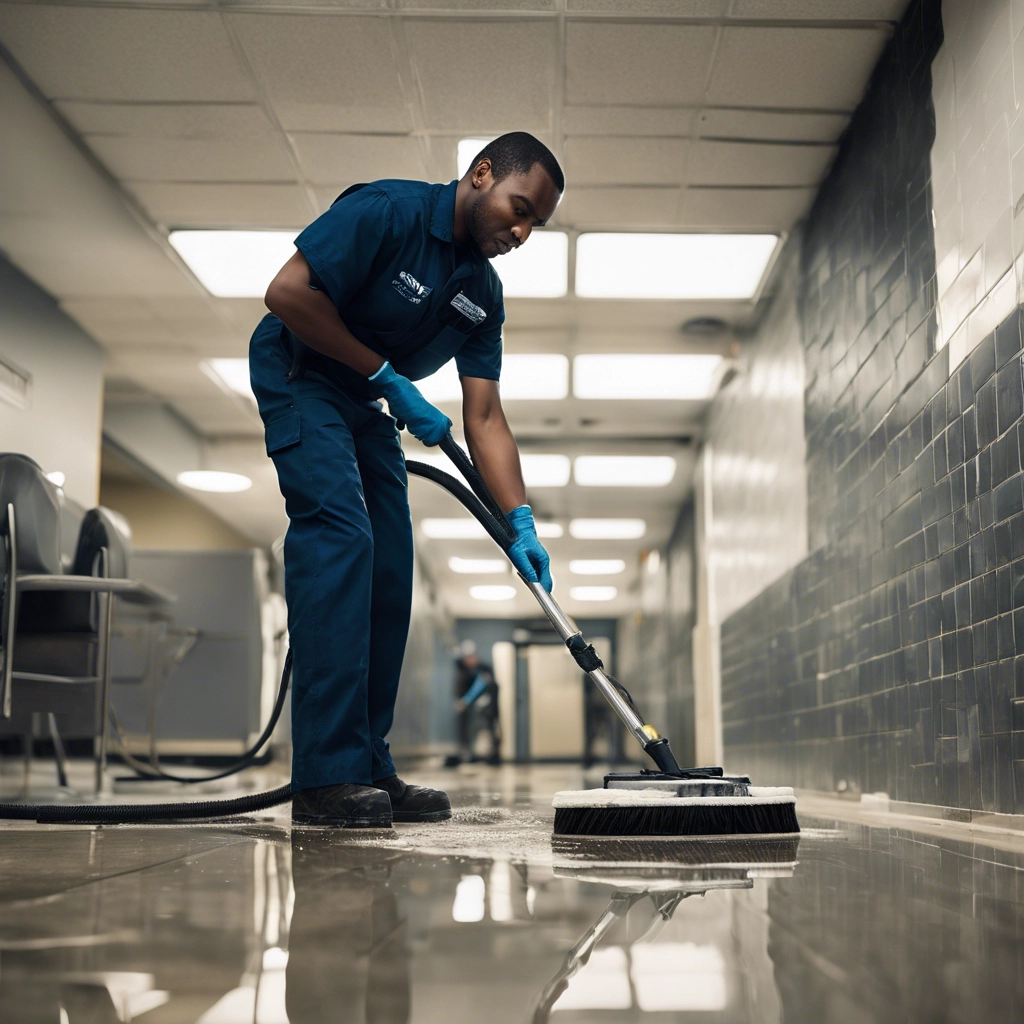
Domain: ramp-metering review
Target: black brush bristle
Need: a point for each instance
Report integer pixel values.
(737, 819)
(666, 851)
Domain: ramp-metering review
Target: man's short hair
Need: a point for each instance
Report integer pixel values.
(516, 153)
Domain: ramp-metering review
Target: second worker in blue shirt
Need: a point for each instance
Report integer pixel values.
(386, 286)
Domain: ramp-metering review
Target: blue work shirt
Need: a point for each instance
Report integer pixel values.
(385, 255)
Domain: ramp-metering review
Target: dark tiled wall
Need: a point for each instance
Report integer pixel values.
(888, 660)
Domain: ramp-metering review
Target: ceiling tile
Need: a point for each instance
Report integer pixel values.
(618, 63)
(219, 415)
(674, 8)
(603, 160)
(145, 158)
(781, 125)
(816, 10)
(742, 209)
(619, 207)
(168, 120)
(70, 258)
(503, 80)
(110, 54)
(812, 68)
(154, 329)
(346, 159)
(224, 205)
(477, 5)
(758, 163)
(325, 73)
(631, 121)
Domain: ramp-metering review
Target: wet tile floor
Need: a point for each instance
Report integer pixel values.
(486, 919)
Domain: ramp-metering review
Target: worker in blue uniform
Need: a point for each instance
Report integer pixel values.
(384, 288)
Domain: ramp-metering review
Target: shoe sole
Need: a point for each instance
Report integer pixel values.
(317, 822)
(411, 818)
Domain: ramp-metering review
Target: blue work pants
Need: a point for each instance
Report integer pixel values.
(348, 559)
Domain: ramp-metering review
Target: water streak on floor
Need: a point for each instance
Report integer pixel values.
(486, 918)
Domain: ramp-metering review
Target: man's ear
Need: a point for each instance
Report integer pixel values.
(481, 173)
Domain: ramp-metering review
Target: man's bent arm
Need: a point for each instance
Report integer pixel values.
(491, 443)
(311, 315)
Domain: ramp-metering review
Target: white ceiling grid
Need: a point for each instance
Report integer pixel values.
(667, 115)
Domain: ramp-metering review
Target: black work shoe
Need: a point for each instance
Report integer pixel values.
(345, 805)
(415, 803)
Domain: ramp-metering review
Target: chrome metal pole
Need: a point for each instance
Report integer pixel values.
(566, 629)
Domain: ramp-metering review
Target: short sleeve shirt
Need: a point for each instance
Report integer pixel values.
(385, 255)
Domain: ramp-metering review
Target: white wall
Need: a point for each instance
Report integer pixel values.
(978, 169)
(60, 427)
(756, 518)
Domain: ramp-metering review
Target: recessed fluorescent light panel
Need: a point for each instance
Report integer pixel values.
(495, 592)
(593, 593)
(452, 529)
(597, 566)
(669, 376)
(607, 529)
(478, 566)
(545, 470)
(538, 269)
(231, 374)
(544, 375)
(443, 385)
(235, 264)
(629, 265)
(523, 377)
(467, 151)
(214, 480)
(549, 531)
(624, 470)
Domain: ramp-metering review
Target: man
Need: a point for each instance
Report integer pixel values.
(387, 286)
(476, 704)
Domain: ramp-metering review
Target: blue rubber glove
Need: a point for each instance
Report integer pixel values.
(425, 422)
(527, 554)
(478, 688)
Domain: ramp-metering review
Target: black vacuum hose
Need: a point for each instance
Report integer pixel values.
(154, 773)
(129, 814)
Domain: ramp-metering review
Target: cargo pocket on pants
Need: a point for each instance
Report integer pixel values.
(294, 474)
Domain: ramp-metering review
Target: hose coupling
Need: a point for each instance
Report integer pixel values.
(583, 653)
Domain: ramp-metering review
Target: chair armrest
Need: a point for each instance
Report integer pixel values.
(134, 591)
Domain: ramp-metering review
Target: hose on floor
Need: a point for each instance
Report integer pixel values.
(150, 772)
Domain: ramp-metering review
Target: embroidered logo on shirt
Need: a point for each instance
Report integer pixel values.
(468, 309)
(409, 288)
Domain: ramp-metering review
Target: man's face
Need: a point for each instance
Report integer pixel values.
(471, 661)
(503, 213)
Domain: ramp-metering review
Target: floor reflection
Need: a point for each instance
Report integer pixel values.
(490, 919)
(348, 954)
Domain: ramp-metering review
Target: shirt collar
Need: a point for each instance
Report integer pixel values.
(443, 221)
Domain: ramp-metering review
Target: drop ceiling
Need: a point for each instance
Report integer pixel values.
(125, 120)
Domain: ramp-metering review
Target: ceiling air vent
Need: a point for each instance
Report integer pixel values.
(15, 385)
